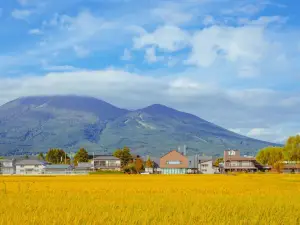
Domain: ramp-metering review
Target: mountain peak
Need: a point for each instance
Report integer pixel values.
(93, 105)
(159, 109)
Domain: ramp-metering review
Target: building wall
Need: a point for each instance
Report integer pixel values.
(207, 167)
(57, 171)
(7, 167)
(174, 160)
(174, 170)
(7, 170)
(30, 169)
(107, 164)
(240, 164)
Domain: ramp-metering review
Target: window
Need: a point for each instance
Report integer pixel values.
(177, 162)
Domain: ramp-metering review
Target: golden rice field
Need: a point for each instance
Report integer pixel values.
(151, 199)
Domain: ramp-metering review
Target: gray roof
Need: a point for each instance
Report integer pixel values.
(106, 157)
(6, 160)
(57, 166)
(31, 162)
(84, 165)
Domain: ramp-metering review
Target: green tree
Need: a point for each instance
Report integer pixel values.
(57, 156)
(292, 149)
(41, 156)
(124, 155)
(272, 156)
(81, 156)
(26, 157)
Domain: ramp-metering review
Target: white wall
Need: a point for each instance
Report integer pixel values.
(207, 167)
(30, 169)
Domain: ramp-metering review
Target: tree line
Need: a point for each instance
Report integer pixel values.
(59, 156)
(129, 163)
(275, 156)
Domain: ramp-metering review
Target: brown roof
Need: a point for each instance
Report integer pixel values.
(240, 158)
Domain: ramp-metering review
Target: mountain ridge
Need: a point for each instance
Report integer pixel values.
(37, 123)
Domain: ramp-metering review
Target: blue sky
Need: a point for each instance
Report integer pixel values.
(234, 63)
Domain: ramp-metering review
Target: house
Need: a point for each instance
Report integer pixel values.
(58, 169)
(174, 162)
(106, 162)
(202, 164)
(207, 166)
(30, 166)
(7, 166)
(233, 161)
(83, 168)
(291, 167)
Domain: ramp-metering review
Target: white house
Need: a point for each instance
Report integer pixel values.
(207, 167)
(30, 166)
(7, 166)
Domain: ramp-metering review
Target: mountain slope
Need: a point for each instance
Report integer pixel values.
(158, 129)
(36, 124)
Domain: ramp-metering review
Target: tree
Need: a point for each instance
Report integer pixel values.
(57, 156)
(130, 168)
(124, 156)
(138, 164)
(272, 156)
(149, 163)
(26, 157)
(292, 149)
(218, 161)
(41, 156)
(81, 156)
(278, 166)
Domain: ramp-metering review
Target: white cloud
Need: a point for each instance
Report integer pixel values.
(21, 14)
(243, 47)
(167, 38)
(35, 31)
(126, 55)
(257, 132)
(206, 100)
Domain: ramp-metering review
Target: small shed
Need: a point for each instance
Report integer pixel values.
(58, 169)
(83, 168)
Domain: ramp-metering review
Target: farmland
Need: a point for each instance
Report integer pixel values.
(157, 199)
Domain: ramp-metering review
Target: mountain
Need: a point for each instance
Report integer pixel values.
(35, 124)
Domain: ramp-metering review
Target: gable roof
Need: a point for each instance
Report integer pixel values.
(106, 157)
(31, 162)
(58, 166)
(84, 166)
(172, 151)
